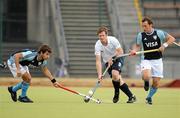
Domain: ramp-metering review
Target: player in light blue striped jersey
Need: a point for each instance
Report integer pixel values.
(18, 64)
(151, 63)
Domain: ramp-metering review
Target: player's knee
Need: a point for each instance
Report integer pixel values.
(155, 84)
(115, 76)
(145, 78)
(26, 79)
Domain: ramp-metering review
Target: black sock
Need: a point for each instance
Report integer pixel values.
(126, 90)
(116, 85)
(146, 83)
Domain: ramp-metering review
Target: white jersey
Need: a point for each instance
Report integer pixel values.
(107, 52)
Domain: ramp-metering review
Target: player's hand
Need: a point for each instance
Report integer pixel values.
(162, 48)
(132, 52)
(18, 72)
(100, 77)
(114, 59)
(110, 62)
(56, 84)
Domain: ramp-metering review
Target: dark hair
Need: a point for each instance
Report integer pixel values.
(148, 20)
(102, 29)
(44, 48)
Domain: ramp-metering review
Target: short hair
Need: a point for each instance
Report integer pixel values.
(148, 20)
(44, 48)
(102, 29)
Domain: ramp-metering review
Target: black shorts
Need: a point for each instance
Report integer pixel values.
(117, 65)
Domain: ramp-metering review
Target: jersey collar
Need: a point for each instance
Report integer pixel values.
(150, 32)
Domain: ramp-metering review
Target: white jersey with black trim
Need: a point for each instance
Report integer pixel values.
(108, 51)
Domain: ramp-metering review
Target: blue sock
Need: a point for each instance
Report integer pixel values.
(152, 92)
(17, 87)
(25, 87)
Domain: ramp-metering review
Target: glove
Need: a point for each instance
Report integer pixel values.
(114, 59)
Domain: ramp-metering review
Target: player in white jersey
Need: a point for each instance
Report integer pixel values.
(108, 47)
(151, 63)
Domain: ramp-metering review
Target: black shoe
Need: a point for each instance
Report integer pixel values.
(146, 85)
(25, 99)
(149, 101)
(13, 94)
(132, 99)
(116, 97)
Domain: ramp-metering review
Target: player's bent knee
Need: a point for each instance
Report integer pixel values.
(146, 78)
(26, 79)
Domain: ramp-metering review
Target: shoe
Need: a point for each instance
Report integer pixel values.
(116, 97)
(149, 101)
(13, 94)
(132, 99)
(25, 99)
(146, 85)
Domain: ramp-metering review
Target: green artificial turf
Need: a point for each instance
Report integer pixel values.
(51, 102)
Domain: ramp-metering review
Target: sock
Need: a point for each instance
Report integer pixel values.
(126, 90)
(146, 82)
(116, 85)
(25, 87)
(152, 92)
(17, 87)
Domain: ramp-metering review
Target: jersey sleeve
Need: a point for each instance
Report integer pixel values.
(139, 39)
(26, 53)
(97, 49)
(44, 63)
(162, 35)
(116, 43)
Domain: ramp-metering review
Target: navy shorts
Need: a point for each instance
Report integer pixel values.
(117, 65)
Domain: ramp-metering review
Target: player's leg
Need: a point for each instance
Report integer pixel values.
(13, 89)
(157, 74)
(153, 89)
(146, 73)
(25, 85)
(124, 87)
(116, 75)
(116, 84)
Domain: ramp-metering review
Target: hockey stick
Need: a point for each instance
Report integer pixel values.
(137, 53)
(80, 94)
(92, 91)
(176, 44)
(3, 65)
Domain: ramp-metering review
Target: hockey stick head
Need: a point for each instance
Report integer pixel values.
(3, 65)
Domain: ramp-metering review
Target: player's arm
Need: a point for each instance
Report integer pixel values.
(99, 66)
(137, 45)
(119, 51)
(134, 49)
(169, 40)
(17, 57)
(48, 74)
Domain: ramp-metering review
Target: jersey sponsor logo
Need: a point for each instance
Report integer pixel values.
(39, 63)
(119, 64)
(151, 44)
(155, 37)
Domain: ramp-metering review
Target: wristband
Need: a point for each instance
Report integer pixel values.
(53, 80)
(165, 45)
